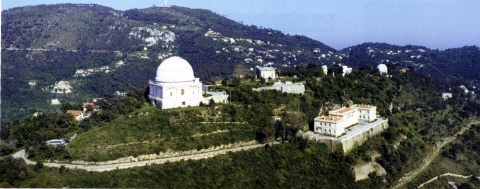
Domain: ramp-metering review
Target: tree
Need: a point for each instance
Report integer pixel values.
(296, 121)
(240, 71)
(269, 130)
(5, 149)
(345, 99)
(211, 102)
(38, 166)
(63, 169)
(225, 82)
(236, 82)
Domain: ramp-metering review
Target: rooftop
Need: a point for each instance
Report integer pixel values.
(330, 118)
(88, 103)
(363, 106)
(266, 68)
(344, 110)
(74, 112)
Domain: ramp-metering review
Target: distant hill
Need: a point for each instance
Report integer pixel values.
(452, 67)
(49, 43)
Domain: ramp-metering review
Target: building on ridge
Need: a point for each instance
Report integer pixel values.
(176, 86)
(382, 68)
(285, 87)
(265, 72)
(338, 120)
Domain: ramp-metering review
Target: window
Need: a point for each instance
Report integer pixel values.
(183, 91)
(183, 103)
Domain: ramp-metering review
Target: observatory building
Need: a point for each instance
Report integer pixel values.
(176, 86)
(382, 68)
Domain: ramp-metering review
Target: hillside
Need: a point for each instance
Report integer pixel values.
(46, 44)
(419, 120)
(453, 67)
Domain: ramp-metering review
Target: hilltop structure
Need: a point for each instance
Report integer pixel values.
(285, 87)
(176, 86)
(382, 68)
(265, 72)
(338, 120)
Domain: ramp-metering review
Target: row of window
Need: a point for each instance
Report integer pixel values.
(325, 130)
(325, 124)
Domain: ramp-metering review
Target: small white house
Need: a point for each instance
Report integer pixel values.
(276, 118)
(265, 72)
(446, 96)
(55, 102)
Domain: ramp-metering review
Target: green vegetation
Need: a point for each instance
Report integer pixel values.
(295, 164)
(458, 157)
(419, 118)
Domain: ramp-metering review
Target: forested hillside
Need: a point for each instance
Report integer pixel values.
(418, 120)
(453, 67)
(48, 43)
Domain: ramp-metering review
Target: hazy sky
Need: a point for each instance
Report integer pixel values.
(338, 23)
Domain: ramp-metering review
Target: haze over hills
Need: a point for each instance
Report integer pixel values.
(60, 39)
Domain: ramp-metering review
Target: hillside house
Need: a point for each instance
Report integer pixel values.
(276, 118)
(55, 102)
(78, 114)
(32, 83)
(265, 72)
(446, 96)
(86, 112)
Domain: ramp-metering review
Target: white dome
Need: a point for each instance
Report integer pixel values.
(382, 68)
(174, 69)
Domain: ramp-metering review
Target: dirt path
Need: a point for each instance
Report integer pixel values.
(430, 157)
(446, 174)
(101, 168)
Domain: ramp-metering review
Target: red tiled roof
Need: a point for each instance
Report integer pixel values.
(74, 112)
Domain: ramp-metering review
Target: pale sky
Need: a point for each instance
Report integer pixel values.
(338, 23)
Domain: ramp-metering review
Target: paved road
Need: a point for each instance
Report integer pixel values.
(100, 168)
(428, 160)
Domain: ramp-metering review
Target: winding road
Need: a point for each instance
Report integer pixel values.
(428, 160)
(101, 168)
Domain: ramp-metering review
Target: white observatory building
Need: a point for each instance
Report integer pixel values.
(382, 68)
(176, 86)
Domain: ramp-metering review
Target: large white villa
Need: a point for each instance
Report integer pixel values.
(176, 86)
(338, 120)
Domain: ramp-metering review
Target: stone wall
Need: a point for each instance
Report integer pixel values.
(349, 144)
(346, 144)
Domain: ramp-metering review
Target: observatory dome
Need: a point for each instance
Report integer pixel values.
(382, 68)
(174, 70)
